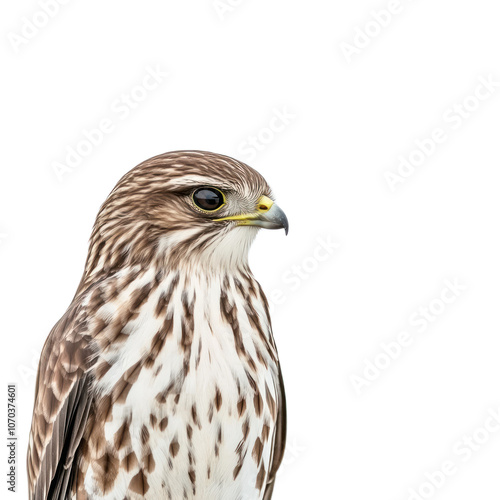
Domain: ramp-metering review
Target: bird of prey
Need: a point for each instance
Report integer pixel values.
(162, 379)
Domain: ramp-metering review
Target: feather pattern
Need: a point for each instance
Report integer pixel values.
(162, 379)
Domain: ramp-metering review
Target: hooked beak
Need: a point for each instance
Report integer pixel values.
(267, 215)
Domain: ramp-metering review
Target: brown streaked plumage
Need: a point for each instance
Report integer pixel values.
(162, 378)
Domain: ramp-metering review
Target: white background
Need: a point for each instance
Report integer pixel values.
(355, 110)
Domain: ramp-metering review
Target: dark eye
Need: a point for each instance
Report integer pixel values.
(209, 199)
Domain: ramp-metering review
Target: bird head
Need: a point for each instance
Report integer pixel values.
(181, 209)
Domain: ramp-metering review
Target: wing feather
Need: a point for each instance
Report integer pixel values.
(62, 405)
(279, 438)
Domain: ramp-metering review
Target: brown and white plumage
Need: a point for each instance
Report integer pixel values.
(162, 379)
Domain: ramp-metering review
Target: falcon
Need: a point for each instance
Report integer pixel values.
(162, 379)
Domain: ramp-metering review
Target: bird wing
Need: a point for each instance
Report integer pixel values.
(279, 438)
(62, 404)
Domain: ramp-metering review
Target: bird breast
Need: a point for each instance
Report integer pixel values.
(186, 377)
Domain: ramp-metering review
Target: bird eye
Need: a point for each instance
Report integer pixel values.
(208, 199)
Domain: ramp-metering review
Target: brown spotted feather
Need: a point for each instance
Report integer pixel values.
(162, 379)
